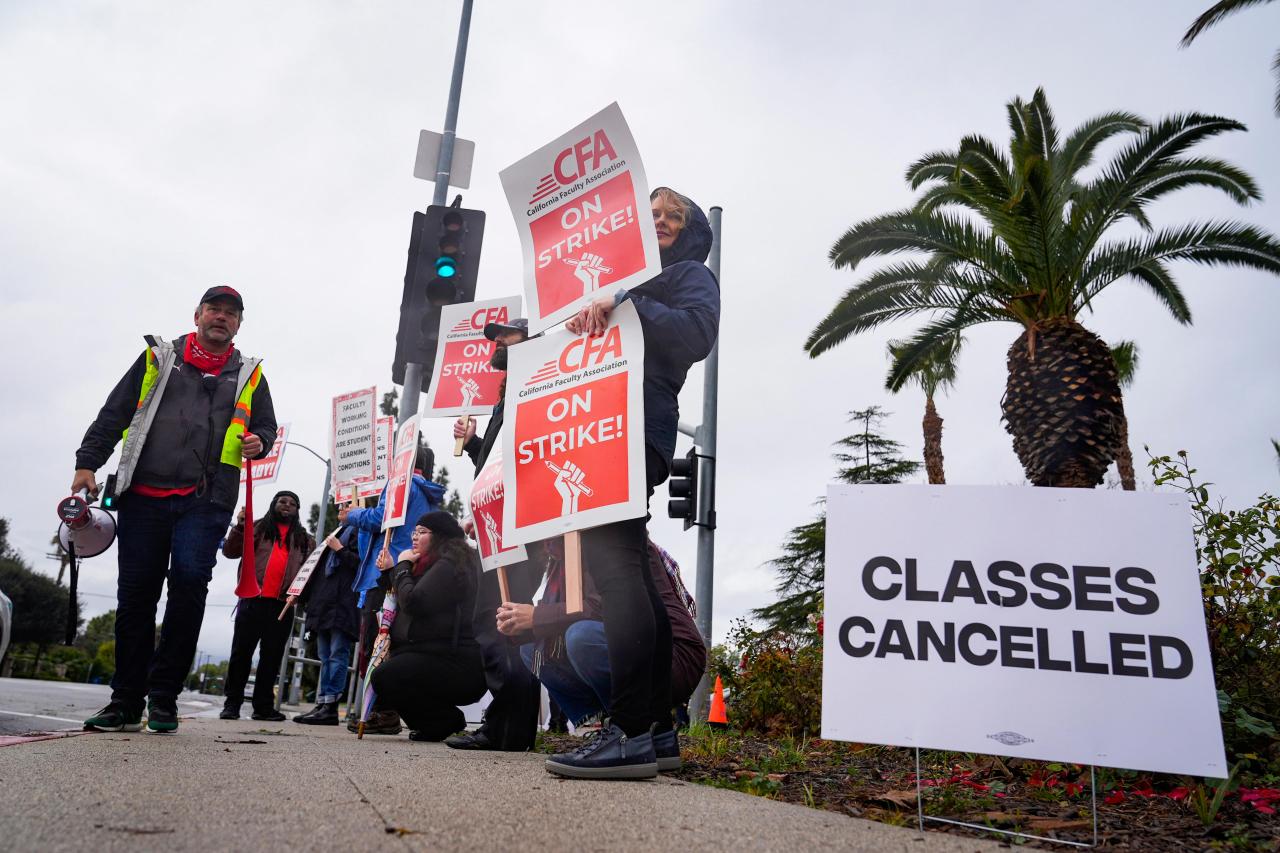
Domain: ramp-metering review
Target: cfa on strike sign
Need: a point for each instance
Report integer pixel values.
(581, 205)
(573, 431)
(487, 498)
(400, 478)
(463, 382)
(1053, 624)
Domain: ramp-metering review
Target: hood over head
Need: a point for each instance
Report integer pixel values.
(693, 243)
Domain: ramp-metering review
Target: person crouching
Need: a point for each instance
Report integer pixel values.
(435, 663)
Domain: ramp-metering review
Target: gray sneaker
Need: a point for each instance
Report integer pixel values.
(609, 755)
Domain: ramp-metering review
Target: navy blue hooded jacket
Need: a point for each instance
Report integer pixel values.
(679, 309)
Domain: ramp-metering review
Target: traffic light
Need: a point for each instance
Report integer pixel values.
(444, 263)
(683, 488)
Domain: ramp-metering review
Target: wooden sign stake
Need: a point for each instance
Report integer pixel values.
(573, 572)
(465, 422)
(504, 589)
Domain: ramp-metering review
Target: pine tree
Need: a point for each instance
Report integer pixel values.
(870, 458)
(388, 405)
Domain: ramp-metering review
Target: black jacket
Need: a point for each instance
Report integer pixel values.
(184, 447)
(329, 599)
(433, 611)
(679, 310)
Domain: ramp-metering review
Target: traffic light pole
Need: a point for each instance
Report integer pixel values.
(413, 372)
(705, 439)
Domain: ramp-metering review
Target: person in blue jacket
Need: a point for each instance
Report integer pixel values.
(424, 497)
(679, 310)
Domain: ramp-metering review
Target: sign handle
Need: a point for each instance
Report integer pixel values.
(504, 588)
(464, 422)
(573, 572)
(284, 610)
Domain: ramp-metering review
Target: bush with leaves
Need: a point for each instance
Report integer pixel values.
(1238, 554)
(774, 679)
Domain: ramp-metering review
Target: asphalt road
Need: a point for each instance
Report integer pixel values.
(28, 705)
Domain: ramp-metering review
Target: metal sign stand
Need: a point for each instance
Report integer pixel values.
(1093, 797)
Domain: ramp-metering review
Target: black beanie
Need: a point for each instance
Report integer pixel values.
(285, 493)
(442, 523)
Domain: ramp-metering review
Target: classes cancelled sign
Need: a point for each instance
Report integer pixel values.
(486, 502)
(352, 444)
(1054, 624)
(581, 205)
(463, 382)
(573, 431)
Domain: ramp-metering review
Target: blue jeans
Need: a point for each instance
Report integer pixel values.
(579, 681)
(172, 539)
(334, 648)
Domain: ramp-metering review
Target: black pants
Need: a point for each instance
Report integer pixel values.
(635, 619)
(173, 540)
(426, 687)
(511, 719)
(257, 623)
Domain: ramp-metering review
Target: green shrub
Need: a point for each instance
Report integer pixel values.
(1238, 554)
(775, 683)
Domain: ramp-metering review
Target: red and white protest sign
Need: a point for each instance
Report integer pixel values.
(581, 205)
(386, 437)
(463, 382)
(352, 443)
(486, 503)
(573, 431)
(401, 475)
(266, 469)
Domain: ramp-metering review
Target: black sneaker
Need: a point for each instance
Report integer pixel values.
(230, 712)
(324, 714)
(479, 739)
(114, 718)
(610, 755)
(666, 746)
(271, 715)
(162, 715)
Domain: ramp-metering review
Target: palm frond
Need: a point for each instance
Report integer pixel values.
(937, 370)
(910, 356)
(1080, 146)
(1125, 355)
(1214, 14)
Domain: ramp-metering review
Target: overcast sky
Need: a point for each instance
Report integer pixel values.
(149, 150)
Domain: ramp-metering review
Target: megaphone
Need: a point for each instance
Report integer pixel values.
(85, 531)
(88, 529)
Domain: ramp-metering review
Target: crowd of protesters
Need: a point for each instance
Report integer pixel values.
(435, 632)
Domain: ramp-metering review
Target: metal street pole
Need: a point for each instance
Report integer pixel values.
(413, 372)
(705, 439)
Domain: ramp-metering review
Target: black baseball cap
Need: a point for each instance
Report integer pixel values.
(520, 324)
(223, 292)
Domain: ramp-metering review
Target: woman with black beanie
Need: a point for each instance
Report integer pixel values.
(434, 665)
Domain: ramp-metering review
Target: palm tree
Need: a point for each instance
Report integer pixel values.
(1216, 13)
(1020, 237)
(1125, 355)
(934, 373)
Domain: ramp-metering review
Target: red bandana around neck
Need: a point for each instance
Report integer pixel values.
(203, 360)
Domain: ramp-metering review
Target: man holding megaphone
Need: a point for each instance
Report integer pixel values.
(190, 411)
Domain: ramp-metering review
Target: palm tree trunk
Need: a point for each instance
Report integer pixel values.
(1062, 404)
(933, 444)
(1124, 457)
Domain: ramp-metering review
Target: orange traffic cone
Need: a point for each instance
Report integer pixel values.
(716, 717)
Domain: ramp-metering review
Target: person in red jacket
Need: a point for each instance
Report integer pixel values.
(280, 546)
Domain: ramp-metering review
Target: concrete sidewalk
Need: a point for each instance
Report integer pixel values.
(241, 786)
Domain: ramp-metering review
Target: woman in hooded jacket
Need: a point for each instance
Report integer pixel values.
(679, 311)
(434, 664)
